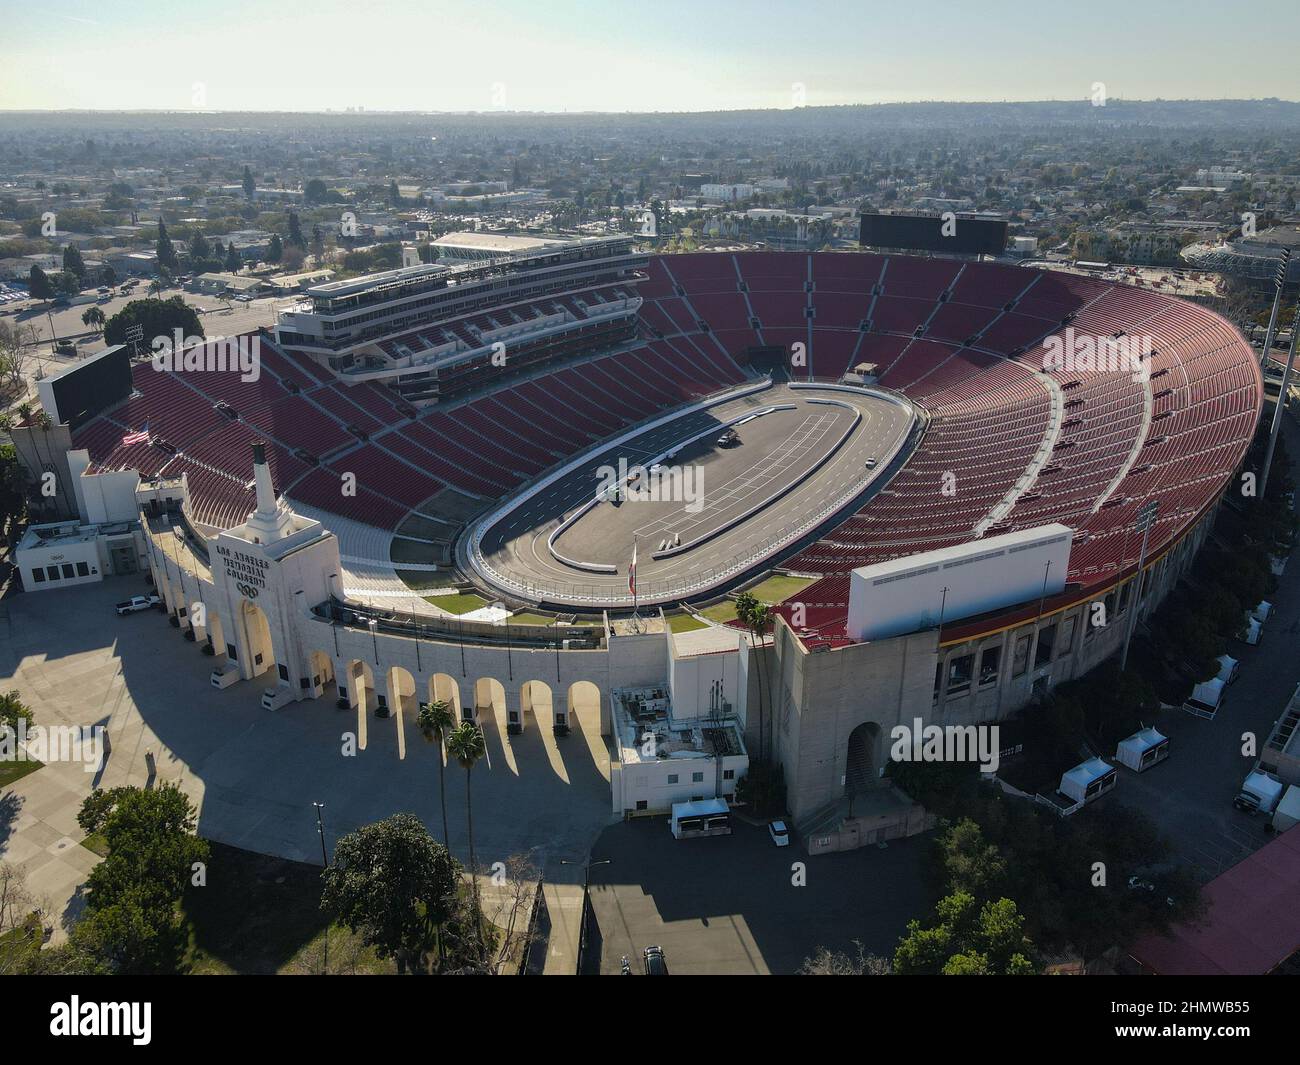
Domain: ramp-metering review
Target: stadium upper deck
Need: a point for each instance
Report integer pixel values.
(1013, 440)
(423, 329)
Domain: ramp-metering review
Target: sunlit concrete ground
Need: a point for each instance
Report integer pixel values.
(254, 774)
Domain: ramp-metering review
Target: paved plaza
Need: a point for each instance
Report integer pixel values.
(254, 774)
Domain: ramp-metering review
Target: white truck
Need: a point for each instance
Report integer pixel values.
(1287, 813)
(1259, 793)
(136, 603)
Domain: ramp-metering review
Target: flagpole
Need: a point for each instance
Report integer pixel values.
(636, 609)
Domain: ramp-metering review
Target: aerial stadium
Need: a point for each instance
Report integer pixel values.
(970, 493)
(1252, 260)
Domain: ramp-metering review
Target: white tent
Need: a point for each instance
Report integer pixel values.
(1142, 750)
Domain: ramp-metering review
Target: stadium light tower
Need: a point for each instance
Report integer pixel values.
(1146, 517)
(1281, 402)
(1279, 282)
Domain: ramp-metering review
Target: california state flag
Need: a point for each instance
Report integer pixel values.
(631, 572)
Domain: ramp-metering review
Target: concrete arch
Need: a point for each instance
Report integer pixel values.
(216, 634)
(402, 703)
(259, 651)
(489, 702)
(359, 691)
(536, 698)
(444, 687)
(862, 759)
(359, 685)
(583, 708)
(321, 678)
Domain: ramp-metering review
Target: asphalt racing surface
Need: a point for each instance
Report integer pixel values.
(708, 507)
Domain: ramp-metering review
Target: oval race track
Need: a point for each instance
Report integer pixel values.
(710, 514)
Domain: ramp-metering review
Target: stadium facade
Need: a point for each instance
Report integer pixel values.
(1249, 260)
(386, 385)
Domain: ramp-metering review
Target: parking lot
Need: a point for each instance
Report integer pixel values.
(1189, 796)
(218, 318)
(735, 904)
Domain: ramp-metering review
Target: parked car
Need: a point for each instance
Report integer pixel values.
(654, 961)
(779, 833)
(137, 603)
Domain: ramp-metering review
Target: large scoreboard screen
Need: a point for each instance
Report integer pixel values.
(82, 391)
(951, 233)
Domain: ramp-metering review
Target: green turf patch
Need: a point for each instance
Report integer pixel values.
(778, 588)
(421, 580)
(15, 771)
(461, 603)
(685, 623)
(96, 843)
(722, 612)
(527, 618)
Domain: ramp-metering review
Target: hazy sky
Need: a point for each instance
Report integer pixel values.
(633, 55)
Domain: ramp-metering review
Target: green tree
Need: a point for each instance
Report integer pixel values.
(275, 250)
(13, 709)
(250, 188)
(158, 317)
(395, 885)
(166, 252)
(757, 618)
(437, 722)
(13, 500)
(132, 920)
(967, 939)
(72, 261)
(200, 250)
(465, 744)
(233, 260)
(315, 191)
(39, 284)
(295, 237)
(970, 862)
(94, 318)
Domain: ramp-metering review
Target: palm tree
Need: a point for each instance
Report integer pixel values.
(758, 619)
(94, 318)
(437, 722)
(465, 744)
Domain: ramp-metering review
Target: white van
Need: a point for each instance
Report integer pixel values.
(1262, 610)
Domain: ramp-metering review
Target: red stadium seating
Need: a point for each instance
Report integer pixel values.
(963, 341)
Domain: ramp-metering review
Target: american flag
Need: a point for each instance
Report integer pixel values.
(137, 437)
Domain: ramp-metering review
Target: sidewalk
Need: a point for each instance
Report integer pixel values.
(564, 905)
